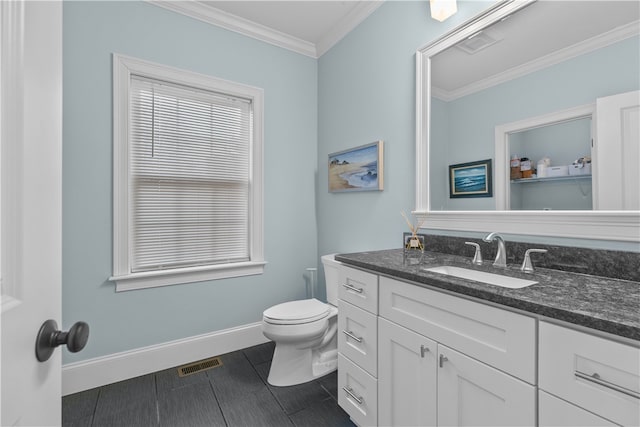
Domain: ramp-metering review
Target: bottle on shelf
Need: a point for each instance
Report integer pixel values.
(541, 169)
(515, 167)
(525, 167)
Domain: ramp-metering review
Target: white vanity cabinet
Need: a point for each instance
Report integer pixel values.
(442, 360)
(413, 356)
(358, 345)
(580, 370)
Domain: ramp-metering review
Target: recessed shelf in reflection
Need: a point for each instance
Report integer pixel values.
(550, 178)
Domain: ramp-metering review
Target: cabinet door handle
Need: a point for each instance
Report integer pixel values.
(443, 359)
(423, 350)
(352, 288)
(595, 378)
(350, 392)
(350, 335)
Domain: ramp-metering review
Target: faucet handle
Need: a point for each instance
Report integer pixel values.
(477, 257)
(527, 265)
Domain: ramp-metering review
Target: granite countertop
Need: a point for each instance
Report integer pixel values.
(602, 303)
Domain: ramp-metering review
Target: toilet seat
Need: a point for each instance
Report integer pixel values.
(296, 312)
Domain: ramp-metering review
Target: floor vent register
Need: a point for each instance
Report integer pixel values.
(199, 366)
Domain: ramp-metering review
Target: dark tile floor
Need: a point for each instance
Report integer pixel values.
(233, 394)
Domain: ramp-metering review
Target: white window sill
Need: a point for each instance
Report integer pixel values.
(153, 279)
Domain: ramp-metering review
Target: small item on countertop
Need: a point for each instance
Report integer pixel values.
(414, 242)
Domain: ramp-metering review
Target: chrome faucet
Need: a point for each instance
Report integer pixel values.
(501, 256)
(527, 265)
(477, 256)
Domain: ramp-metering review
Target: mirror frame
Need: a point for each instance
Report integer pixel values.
(599, 225)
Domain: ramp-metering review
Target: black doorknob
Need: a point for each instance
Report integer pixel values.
(49, 337)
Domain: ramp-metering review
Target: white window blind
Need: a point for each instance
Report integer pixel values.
(189, 176)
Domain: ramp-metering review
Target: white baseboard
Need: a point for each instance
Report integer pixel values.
(87, 374)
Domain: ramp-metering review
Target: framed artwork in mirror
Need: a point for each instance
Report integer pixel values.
(471, 179)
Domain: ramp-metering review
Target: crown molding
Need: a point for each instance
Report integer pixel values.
(214, 16)
(614, 36)
(228, 21)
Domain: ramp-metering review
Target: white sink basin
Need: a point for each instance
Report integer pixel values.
(482, 276)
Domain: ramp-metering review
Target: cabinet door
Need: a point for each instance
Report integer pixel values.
(471, 393)
(406, 377)
(554, 412)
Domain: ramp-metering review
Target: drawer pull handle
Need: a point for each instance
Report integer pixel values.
(350, 392)
(443, 359)
(595, 378)
(350, 335)
(423, 350)
(352, 288)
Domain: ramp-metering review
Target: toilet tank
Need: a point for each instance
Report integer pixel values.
(331, 277)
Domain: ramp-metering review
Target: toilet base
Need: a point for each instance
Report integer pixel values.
(292, 366)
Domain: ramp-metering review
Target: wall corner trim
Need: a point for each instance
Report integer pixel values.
(99, 371)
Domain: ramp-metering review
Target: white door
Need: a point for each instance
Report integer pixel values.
(471, 393)
(31, 213)
(616, 182)
(407, 380)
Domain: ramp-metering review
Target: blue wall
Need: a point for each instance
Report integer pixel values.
(367, 92)
(127, 320)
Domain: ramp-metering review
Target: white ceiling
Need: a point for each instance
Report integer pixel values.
(309, 27)
(541, 34)
(306, 20)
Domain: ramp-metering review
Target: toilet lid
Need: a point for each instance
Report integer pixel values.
(302, 311)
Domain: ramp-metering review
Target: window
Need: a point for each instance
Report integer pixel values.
(187, 176)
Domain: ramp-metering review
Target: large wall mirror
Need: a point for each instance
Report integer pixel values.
(532, 79)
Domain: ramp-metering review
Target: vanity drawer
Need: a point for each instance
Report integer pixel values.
(358, 336)
(554, 412)
(499, 338)
(597, 374)
(359, 288)
(357, 393)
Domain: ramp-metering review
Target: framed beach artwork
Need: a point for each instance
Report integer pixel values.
(357, 169)
(471, 179)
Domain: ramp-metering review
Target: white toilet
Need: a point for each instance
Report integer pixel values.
(305, 334)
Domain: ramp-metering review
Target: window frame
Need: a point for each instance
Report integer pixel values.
(123, 68)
